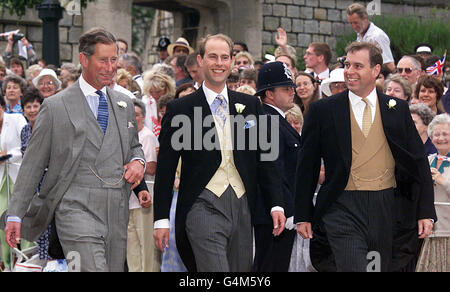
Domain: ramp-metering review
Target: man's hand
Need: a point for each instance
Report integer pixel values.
(425, 227)
(281, 37)
(145, 200)
(161, 237)
(279, 220)
(134, 173)
(12, 234)
(305, 230)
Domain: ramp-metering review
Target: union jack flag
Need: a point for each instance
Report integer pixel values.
(438, 67)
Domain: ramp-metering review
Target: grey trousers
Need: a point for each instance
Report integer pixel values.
(357, 223)
(93, 223)
(220, 232)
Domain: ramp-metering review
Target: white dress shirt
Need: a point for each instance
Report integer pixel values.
(92, 98)
(358, 105)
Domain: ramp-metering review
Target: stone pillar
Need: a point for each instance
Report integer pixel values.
(112, 15)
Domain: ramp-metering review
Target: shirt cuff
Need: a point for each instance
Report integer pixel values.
(276, 208)
(138, 158)
(162, 223)
(13, 219)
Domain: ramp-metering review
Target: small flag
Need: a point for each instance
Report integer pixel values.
(438, 67)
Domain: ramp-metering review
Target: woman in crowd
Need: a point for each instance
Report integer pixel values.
(429, 91)
(47, 83)
(422, 116)
(31, 104)
(397, 86)
(242, 60)
(13, 87)
(294, 117)
(307, 90)
(10, 128)
(435, 256)
(335, 84)
(155, 85)
(124, 79)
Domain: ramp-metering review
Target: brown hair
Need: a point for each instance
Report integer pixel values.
(315, 95)
(322, 49)
(428, 81)
(375, 53)
(89, 39)
(221, 36)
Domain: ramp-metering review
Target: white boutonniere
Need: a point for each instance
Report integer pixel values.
(122, 104)
(239, 108)
(392, 103)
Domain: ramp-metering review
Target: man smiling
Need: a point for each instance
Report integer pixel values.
(218, 187)
(378, 182)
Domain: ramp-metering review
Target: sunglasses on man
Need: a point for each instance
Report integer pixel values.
(407, 70)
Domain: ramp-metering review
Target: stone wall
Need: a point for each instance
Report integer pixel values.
(70, 30)
(307, 21)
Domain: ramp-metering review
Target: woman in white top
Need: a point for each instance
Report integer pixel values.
(10, 127)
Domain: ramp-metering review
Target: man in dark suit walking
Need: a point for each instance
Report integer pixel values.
(378, 190)
(276, 88)
(220, 169)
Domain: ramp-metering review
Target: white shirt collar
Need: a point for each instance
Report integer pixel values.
(323, 75)
(87, 89)
(211, 95)
(277, 109)
(368, 32)
(372, 98)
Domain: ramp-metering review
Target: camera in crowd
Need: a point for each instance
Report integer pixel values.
(341, 60)
(16, 36)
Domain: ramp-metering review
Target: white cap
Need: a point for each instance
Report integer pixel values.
(47, 72)
(423, 49)
(337, 75)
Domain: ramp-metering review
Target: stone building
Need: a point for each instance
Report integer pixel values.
(251, 21)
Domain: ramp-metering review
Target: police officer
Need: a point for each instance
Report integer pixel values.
(163, 43)
(276, 89)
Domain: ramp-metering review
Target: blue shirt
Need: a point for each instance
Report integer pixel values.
(17, 109)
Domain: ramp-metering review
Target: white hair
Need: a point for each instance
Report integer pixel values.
(442, 119)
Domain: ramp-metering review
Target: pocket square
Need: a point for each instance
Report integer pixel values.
(130, 125)
(249, 124)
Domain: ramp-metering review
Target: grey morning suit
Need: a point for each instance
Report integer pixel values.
(91, 216)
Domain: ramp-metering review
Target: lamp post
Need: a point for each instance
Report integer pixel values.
(50, 11)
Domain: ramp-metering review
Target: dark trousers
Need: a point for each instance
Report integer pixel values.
(358, 224)
(220, 233)
(272, 253)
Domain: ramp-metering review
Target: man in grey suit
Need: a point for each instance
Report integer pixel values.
(86, 136)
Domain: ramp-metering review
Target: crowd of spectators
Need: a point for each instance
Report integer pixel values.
(26, 83)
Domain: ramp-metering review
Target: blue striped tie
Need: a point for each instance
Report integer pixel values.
(220, 109)
(102, 115)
